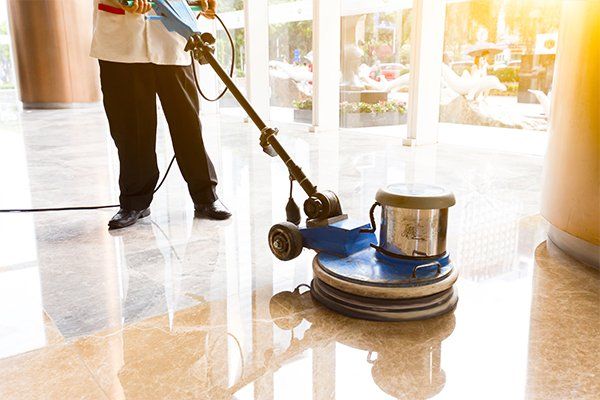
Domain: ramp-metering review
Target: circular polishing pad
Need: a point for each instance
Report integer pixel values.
(345, 280)
(383, 309)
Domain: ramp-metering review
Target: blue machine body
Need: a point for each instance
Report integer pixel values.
(341, 238)
(176, 16)
(344, 250)
(368, 266)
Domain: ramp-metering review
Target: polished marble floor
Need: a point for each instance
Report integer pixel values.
(182, 308)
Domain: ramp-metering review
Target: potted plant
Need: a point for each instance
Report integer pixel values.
(357, 114)
(360, 115)
(303, 111)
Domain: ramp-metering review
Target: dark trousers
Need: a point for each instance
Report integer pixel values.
(130, 102)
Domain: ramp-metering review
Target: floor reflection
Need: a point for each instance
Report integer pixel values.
(564, 336)
(291, 349)
(404, 359)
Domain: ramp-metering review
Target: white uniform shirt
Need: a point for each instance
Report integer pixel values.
(130, 38)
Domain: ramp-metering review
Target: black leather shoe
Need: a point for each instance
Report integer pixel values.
(126, 218)
(215, 210)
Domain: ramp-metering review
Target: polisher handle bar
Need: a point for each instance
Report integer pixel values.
(269, 133)
(129, 3)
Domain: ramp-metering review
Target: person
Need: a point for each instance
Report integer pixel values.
(140, 59)
(480, 65)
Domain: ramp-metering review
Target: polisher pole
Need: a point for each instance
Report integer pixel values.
(271, 139)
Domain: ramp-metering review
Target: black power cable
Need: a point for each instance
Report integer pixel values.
(231, 68)
(32, 210)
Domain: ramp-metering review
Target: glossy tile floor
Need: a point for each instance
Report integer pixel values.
(181, 308)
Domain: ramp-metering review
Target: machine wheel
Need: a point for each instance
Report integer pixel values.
(285, 241)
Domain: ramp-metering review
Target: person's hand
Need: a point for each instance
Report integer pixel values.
(138, 7)
(209, 7)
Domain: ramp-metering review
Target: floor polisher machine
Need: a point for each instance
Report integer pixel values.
(404, 273)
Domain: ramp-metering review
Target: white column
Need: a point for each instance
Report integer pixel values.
(326, 64)
(329, 161)
(256, 14)
(426, 51)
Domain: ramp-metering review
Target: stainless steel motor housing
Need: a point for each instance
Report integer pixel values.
(414, 219)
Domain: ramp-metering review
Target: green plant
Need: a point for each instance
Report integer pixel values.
(506, 75)
(358, 107)
(286, 38)
(305, 104)
(376, 108)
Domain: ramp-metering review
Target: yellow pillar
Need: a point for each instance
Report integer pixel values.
(571, 201)
(51, 44)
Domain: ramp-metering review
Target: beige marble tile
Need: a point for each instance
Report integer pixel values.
(159, 358)
(564, 342)
(195, 355)
(52, 373)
